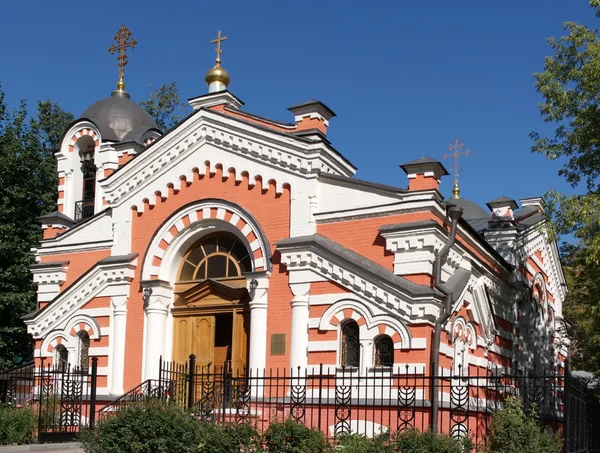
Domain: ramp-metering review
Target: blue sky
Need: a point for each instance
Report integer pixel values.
(404, 77)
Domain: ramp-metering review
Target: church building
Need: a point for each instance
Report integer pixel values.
(249, 243)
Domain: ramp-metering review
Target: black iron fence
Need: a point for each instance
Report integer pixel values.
(64, 398)
(338, 400)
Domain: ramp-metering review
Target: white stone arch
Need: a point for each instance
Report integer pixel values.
(52, 340)
(539, 282)
(90, 325)
(464, 339)
(369, 329)
(202, 217)
(69, 161)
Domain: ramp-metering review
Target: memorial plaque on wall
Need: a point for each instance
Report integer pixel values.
(278, 344)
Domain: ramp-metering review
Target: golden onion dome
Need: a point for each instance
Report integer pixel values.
(217, 74)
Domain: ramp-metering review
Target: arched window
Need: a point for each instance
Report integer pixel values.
(384, 351)
(83, 350)
(84, 206)
(215, 256)
(61, 357)
(350, 344)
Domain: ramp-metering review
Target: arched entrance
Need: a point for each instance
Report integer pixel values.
(210, 312)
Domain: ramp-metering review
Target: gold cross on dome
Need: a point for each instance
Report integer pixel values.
(218, 42)
(456, 151)
(123, 43)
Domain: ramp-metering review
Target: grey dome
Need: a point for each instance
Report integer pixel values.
(119, 118)
(471, 210)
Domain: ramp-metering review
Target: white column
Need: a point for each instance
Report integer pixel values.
(366, 355)
(299, 340)
(69, 194)
(119, 319)
(156, 308)
(98, 192)
(258, 286)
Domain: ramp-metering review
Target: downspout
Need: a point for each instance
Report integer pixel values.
(455, 213)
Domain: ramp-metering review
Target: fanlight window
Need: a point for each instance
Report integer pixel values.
(350, 344)
(384, 351)
(216, 256)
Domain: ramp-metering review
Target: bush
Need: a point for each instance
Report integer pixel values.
(512, 431)
(16, 425)
(415, 441)
(226, 439)
(293, 437)
(150, 427)
(355, 443)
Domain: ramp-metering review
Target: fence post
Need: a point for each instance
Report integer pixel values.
(320, 394)
(160, 377)
(192, 375)
(40, 394)
(93, 392)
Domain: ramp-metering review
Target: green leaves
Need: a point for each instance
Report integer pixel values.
(514, 431)
(164, 106)
(28, 186)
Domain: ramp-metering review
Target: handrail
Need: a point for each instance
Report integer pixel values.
(150, 388)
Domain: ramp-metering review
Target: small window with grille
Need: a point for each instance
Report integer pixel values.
(61, 358)
(384, 351)
(83, 351)
(350, 356)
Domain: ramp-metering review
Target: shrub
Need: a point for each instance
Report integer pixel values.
(415, 441)
(355, 443)
(292, 437)
(512, 430)
(16, 425)
(150, 427)
(226, 439)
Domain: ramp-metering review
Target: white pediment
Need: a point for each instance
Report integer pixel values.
(109, 277)
(209, 139)
(313, 265)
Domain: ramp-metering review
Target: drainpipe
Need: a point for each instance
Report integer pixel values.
(455, 213)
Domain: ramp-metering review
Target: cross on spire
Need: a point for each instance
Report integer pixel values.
(456, 151)
(123, 43)
(218, 42)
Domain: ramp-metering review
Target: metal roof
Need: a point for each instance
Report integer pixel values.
(119, 118)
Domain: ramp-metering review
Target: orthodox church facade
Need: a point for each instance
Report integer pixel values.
(248, 242)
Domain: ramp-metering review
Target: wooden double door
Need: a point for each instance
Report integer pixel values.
(217, 338)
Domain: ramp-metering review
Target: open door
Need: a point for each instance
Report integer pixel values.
(241, 327)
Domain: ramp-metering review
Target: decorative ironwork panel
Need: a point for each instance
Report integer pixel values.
(459, 407)
(71, 400)
(298, 399)
(343, 400)
(407, 396)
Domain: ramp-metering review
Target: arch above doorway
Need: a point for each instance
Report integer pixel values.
(186, 226)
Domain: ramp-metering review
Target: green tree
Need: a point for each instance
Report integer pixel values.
(570, 86)
(581, 308)
(28, 185)
(165, 106)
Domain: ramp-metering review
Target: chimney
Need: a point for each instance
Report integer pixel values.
(312, 115)
(424, 174)
(502, 207)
